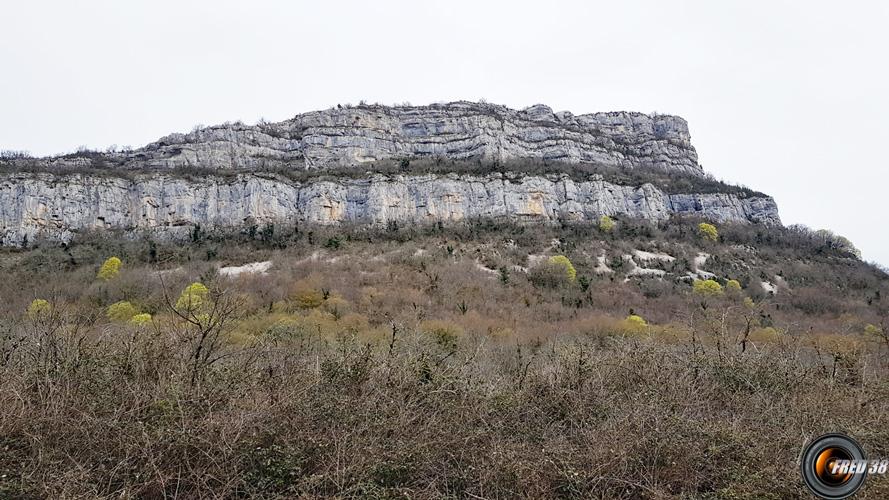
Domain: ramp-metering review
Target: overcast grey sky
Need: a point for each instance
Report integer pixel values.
(789, 98)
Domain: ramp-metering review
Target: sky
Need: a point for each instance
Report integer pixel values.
(789, 98)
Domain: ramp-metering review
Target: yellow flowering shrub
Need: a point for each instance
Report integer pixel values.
(121, 311)
(193, 297)
(140, 319)
(561, 260)
(38, 307)
(707, 288)
(708, 231)
(110, 269)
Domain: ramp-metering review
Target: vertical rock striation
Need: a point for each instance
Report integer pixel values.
(56, 207)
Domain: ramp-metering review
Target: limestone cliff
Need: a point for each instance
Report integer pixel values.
(56, 207)
(144, 189)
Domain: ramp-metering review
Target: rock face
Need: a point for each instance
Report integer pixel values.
(46, 205)
(146, 188)
(354, 136)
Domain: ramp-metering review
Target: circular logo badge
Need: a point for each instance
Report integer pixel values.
(833, 466)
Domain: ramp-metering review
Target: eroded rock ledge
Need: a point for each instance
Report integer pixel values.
(57, 206)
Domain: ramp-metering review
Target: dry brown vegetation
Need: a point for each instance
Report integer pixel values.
(431, 362)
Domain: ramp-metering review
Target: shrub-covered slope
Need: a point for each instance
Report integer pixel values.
(613, 359)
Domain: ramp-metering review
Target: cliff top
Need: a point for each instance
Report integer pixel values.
(355, 136)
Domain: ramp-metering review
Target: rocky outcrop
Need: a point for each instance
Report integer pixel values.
(156, 188)
(355, 136)
(58, 206)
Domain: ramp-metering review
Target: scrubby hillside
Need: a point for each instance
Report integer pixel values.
(614, 358)
(457, 300)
